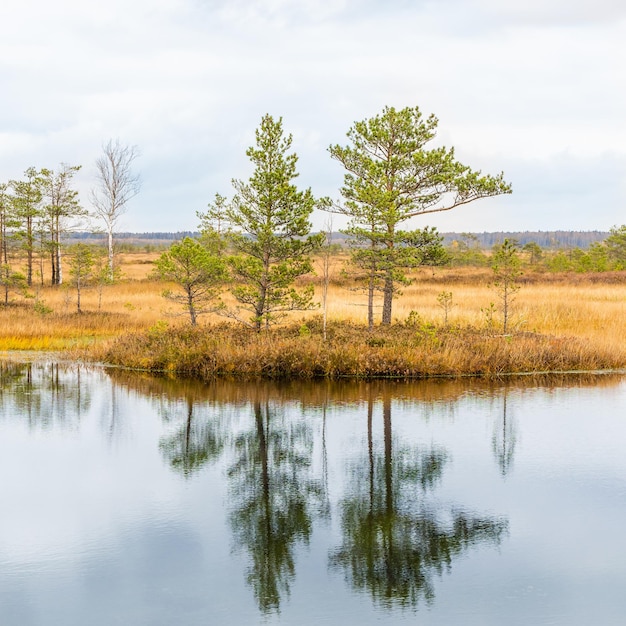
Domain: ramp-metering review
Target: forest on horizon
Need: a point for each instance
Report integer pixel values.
(555, 239)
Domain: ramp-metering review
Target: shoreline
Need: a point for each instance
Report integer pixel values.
(397, 352)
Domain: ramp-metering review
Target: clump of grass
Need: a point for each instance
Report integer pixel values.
(577, 322)
(400, 351)
(26, 328)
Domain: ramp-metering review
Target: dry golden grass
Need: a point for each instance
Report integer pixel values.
(400, 351)
(136, 265)
(553, 306)
(589, 310)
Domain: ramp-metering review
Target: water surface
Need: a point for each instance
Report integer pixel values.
(128, 499)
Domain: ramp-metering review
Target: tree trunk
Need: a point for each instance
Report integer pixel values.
(110, 250)
(264, 453)
(53, 269)
(57, 252)
(4, 260)
(191, 308)
(370, 303)
(29, 252)
(505, 306)
(326, 281)
(59, 268)
(261, 304)
(387, 299)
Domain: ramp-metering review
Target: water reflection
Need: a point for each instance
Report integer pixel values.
(273, 498)
(504, 437)
(47, 394)
(394, 541)
(200, 440)
(358, 471)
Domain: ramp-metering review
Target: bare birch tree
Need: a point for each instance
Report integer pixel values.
(116, 184)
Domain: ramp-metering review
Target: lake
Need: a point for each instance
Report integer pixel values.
(129, 499)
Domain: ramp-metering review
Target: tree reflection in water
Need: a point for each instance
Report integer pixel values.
(273, 496)
(393, 542)
(396, 539)
(504, 438)
(197, 442)
(47, 394)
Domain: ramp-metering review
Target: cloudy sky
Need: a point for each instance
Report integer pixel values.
(534, 88)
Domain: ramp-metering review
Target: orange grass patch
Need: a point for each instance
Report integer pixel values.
(208, 352)
(566, 306)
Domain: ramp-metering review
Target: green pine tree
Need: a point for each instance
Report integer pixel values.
(392, 177)
(271, 231)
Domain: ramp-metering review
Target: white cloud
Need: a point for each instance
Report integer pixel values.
(556, 12)
(188, 81)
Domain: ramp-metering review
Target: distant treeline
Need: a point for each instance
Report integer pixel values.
(555, 239)
(140, 238)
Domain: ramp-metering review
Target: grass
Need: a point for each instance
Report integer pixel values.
(401, 351)
(561, 322)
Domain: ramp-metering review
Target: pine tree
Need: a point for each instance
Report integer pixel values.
(271, 230)
(392, 177)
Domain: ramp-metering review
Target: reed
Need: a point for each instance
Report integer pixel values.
(298, 351)
(564, 321)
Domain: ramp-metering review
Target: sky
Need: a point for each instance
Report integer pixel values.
(532, 88)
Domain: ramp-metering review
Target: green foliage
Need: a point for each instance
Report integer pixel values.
(33, 217)
(61, 204)
(41, 307)
(535, 253)
(215, 219)
(414, 320)
(81, 268)
(27, 210)
(616, 246)
(8, 223)
(467, 252)
(81, 262)
(11, 281)
(559, 262)
(489, 313)
(596, 259)
(391, 177)
(600, 259)
(196, 270)
(271, 230)
(444, 300)
(506, 267)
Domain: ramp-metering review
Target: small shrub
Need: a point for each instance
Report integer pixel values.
(413, 320)
(41, 308)
(444, 299)
(489, 313)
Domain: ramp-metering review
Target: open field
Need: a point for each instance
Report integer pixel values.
(590, 308)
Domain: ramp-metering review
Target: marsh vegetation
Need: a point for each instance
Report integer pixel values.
(258, 294)
(558, 321)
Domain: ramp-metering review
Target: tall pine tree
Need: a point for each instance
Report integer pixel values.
(391, 177)
(271, 230)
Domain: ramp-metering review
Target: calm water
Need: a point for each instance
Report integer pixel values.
(137, 501)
